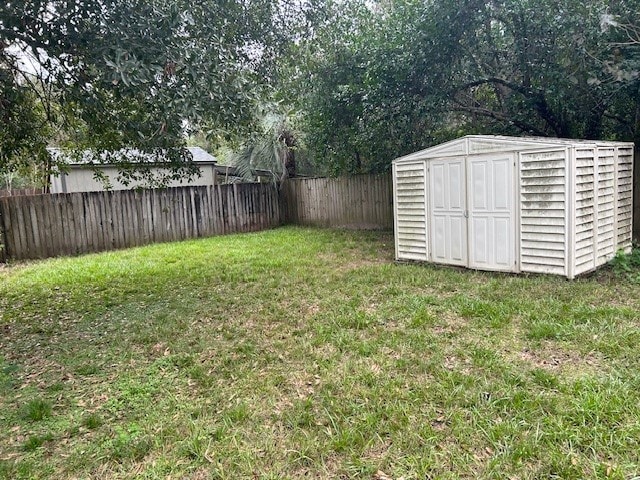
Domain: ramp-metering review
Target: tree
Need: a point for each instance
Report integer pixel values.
(112, 74)
(407, 74)
(272, 147)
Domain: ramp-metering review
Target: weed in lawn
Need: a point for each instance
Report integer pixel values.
(197, 448)
(37, 409)
(23, 469)
(7, 469)
(237, 414)
(201, 376)
(87, 369)
(484, 357)
(627, 266)
(422, 318)
(36, 441)
(544, 378)
(130, 444)
(491, 314)
(7, 374)
(55, 387)
(92, 421)
(544, 329)
(182, 360)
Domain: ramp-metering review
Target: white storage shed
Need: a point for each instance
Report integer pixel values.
(515, 204)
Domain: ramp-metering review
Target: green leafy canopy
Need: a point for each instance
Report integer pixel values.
(112, 74)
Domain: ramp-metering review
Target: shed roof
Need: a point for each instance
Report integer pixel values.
(478, 144)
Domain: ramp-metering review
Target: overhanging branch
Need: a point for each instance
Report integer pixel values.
(485, 112)
(537, 99)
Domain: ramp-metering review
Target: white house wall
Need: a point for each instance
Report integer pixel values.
(83, 180)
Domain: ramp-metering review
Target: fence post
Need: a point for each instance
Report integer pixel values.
(282, 190)
(635, 203)
(3, 243)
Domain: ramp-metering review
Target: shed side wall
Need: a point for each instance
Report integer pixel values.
(624, 207)
(543, 202)
(410, 182)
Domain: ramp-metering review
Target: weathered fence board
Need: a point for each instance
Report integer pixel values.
(42, 226)
(361, 202)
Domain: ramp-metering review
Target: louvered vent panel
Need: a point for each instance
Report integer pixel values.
(543, 203)
(605, 188)
(624, 206)
(585, 259)
(410, 204)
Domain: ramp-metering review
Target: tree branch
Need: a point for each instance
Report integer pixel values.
(485, 112)
(538, 99)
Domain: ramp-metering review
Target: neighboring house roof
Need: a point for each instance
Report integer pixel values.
(200, 156)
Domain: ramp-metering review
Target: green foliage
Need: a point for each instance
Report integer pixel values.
(130, 444)
(92, 421)
(36, 441)
(101, 76)
(368, 80)
(271, 147)
(24, 131)
(388, 78)
(37, 409)
(627, 265)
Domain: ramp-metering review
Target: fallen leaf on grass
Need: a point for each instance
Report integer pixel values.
(380, 475)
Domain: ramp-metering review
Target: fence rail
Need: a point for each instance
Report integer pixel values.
(362, 202)
(67, 224)
(14, 192)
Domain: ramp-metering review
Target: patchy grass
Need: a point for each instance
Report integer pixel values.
(309, 353)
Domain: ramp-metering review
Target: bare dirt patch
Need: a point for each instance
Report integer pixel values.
(553, 358)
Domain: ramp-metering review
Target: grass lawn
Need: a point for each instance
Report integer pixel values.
(309, 353)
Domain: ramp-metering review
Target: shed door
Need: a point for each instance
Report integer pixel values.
(448, 208)
(491, 199)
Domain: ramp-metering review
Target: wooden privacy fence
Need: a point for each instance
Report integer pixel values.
(71, 223)
(362, 202)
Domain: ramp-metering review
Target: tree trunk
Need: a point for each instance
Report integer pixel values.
(289, 153)
(290, 163)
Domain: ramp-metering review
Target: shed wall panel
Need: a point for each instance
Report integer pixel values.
(605, 178)
(410, 208)
(584, 218)
(543, 200)
(624, 198)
